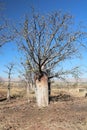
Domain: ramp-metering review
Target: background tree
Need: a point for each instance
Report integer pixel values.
(7, 33)
(27, 76)
(48, 41)
(9, 72)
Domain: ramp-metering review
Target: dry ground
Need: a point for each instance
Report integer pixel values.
(63, 113)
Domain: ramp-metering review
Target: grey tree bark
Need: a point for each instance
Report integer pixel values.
(42, 95)
(8, 92)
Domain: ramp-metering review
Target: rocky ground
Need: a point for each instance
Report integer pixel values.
(63, 113)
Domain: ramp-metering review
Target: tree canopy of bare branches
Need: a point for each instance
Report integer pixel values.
(48, 40)
(7, 33)
(6, 28)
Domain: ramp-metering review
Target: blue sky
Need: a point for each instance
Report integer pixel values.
(16, 9)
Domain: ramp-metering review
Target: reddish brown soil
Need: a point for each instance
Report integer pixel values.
(18, 114)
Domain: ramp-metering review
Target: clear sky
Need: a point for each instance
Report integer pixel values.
(15, 9)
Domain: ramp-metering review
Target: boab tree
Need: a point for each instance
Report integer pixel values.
(9, 68)
(48, 41)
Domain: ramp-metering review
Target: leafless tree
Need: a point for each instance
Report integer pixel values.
(9, 72)
(48, 41)
(26, 75)
(7, 33)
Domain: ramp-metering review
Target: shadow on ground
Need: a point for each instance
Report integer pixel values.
(60, 97)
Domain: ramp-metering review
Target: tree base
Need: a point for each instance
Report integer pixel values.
(42, 95)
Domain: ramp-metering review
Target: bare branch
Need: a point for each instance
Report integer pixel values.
(49, 40)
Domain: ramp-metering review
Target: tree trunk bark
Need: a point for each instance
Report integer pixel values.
(49, 89)
(28, 91)
(8, 93)
(42, 95)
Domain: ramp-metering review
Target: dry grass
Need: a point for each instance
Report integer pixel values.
(76, 90)
(20, 91)
(60, 115)
(16, 92)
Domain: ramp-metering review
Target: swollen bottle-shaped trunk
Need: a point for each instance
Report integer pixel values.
(42, 95)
